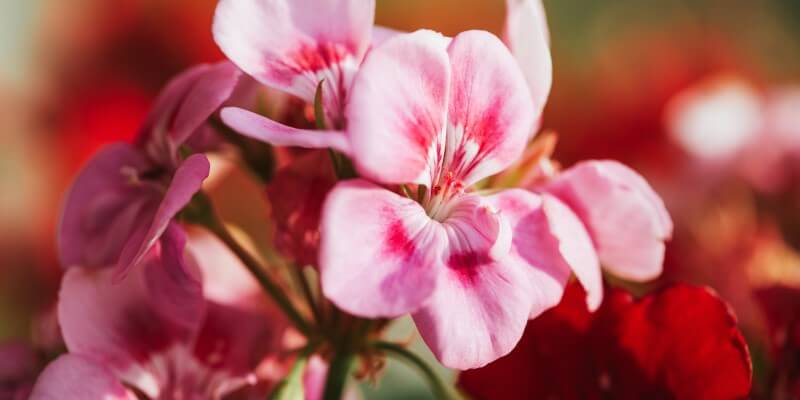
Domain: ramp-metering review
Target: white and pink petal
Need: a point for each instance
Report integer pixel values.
(535, 245)
(627, 220)
(490, 112)
(397, 111)
(378, 251)
(481, 305)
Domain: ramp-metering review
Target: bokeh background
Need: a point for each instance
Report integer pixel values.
(77, 74)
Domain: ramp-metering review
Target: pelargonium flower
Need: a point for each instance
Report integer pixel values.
(127, 194)
(444, 114)
(625, 218)
(280, 44)
(681, 342)
(293, 46)
(184, 324)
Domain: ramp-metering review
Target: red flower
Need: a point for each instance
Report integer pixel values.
(296, 194)
(681, 342)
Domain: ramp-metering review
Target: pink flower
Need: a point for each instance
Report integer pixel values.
(126, 195)
(444, 114)
(293, 46)
(184, 324)
(285, 46)
(625, 218)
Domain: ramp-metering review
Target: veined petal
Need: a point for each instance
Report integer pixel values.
(527, 36)
(73, 377)
(186, 181)
(576, 247)
(266, 130)
(481, 305)
(535, 246)
(100, 191)
(292, 45)
(625, 217)
(397, 109)
(490, 109)
(379, 251)
(125, 325)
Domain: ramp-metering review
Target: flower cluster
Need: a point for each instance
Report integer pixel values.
(413, 185)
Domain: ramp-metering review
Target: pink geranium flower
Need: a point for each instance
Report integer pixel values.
(293, 46)
(625, 218)
(127, 194)
(444, 114)
(175, 328)
(284, 45)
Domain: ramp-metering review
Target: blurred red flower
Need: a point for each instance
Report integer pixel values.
(681, 342)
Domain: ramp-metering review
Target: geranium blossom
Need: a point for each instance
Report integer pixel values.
(165, 330)
(626, 220)
(127, 194)
(293, 46)
(283, 47)
(443, 114)
(681, 343)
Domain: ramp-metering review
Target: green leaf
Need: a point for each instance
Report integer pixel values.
(291, 387)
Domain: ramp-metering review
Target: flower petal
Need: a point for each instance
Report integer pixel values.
(681, 342)
(625, 217)
(125, 325)
(292, 45)
(101, 208)
(381, 34)
(397, 109)
(206, 96)
(479, 309)
(266, 130)
(73, 377)
(527, 36)
(575, 245)
(535, 246)
(490, 110)
(379, 251)
(241, 324)
(186, 182)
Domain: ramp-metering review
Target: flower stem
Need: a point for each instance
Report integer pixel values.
(306, 289)
(202, 212)
(337, 375)
(439, 389)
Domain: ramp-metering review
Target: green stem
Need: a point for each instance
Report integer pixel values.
(439, 389)
(210, 220)
(337, 375)
(309, 295)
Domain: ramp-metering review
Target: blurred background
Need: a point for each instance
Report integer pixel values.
(77, 74)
